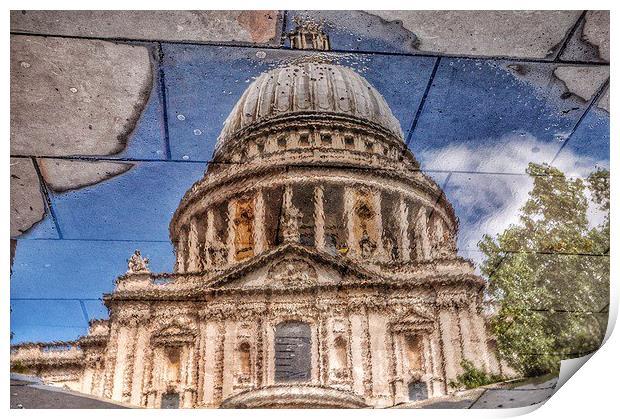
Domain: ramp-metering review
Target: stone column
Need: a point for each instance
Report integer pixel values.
(439, 383)
(290, 231)
(230, 242)
(99, 378)
(349, 202)
(400, 386)
(421, 233)
(110, 362)
(260, 241)
(319, 363)
(209, 237)
(428, 364)
(121, 363)
(200, 361)
(360, 353)
(450, 335)
(479, 340)
(259, 363)
(193, 248)
(228, 363)
(287, 198)
(437, 240)
(319, 219)
(329, 355)
(213, 361)
(157, 377)
(147, 377)
(403, 229)
(87, 379)
(210, 336)
(467, 337)
(376, 203)
(181, 252)
(189, 376)
(129, 361)
(377, 327)
(142, 343)
(269, 356)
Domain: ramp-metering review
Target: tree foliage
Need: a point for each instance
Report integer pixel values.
(549, 274)
(472, 377)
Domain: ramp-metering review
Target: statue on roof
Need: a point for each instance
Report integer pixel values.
(137, 264)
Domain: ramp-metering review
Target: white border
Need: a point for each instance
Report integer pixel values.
(592, 393)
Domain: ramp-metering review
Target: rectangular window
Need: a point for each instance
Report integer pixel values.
(304, 140)
(170, 401)
(349, 142)
(293, 352)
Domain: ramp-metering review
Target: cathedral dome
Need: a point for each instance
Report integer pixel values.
(309, 88)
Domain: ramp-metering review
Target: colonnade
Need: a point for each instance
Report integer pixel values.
(411, 232)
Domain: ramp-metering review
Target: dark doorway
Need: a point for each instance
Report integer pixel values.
(417, 391)
(293, 352)
(170, 401)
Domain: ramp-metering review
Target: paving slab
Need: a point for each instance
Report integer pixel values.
(62, 175)
(235, 26)
(590, 41)
(31, 394)
(519, 34)
(505, 399)
(27, 200)
(92, 92)
(203, 84)
(137, 205)
(96, 309)
(44, 229)
(603, 102)
(592, 139)
(61, 269)
(494, 108)
(46, 320)
(485, 203)
(581, 80)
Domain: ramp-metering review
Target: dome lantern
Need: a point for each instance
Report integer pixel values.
(309, 35)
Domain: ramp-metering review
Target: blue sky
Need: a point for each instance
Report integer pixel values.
(481, 123)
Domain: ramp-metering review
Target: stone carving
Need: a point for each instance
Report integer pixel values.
(292, 272)
(367, 246)
(217, 253)
(137, 264)
(291, 220)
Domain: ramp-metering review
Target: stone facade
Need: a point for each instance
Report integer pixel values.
(320, 270)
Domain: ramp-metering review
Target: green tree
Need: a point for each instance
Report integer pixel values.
(549, 274)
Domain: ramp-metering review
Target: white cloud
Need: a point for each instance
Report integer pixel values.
(489, 183)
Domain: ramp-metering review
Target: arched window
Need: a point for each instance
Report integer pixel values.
(293, 352)
(417, 390)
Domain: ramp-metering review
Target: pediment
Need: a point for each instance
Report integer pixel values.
(175, 331)
(412, 320)
(288, 267)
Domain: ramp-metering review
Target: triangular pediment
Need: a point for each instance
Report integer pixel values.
(287, 267)
(413, 319)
